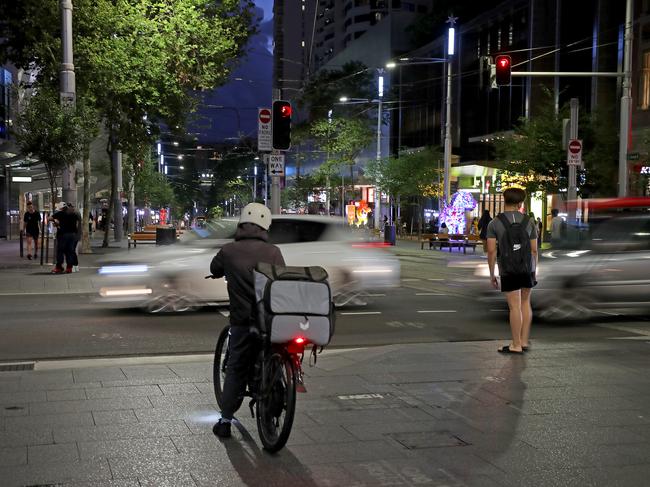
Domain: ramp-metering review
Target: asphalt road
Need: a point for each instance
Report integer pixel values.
(422, 310)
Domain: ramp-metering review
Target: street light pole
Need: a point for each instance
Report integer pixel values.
(67, 93)
(447, 148)
(380, 79)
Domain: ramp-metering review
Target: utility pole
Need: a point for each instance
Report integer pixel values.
(275, 180)
(572, 190)
(626, 102)
(67, 94)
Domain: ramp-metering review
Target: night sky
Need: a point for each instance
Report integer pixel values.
(250, 87)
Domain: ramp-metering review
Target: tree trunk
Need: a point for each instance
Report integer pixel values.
(85, 218)
(116, 189)
(131, 212)
(109, 209)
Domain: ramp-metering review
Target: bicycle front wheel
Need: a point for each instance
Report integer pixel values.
(220, 363)
(276, 404)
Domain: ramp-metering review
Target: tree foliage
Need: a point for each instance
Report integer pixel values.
(152, 189)
(413, 174)
(533, 157)
(56, 135)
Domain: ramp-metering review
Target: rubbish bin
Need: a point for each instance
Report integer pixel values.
(165, 235)
(389, 234)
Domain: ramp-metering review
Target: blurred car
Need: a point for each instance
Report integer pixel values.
(172, 278)
(607, 270)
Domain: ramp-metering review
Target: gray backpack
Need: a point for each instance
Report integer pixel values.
(294, 302)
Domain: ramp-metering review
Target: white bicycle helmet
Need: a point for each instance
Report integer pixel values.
(256, 213)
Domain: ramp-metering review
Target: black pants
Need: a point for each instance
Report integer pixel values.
(244, 347)
(74, 256)
(65, 248)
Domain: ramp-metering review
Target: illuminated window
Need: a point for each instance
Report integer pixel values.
(645, 81)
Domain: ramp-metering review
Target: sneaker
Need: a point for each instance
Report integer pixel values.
(58, 270)
(75, 268)
(68, 269)
(29, 256)
(222, 429)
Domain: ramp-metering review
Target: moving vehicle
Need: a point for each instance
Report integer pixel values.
(171, 278)
(605, 270)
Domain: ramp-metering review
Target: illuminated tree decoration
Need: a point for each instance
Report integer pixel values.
(453, 215)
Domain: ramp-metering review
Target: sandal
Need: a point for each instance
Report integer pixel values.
(506, 349)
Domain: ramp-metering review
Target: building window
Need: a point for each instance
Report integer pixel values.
(511, 34)
(645, 81)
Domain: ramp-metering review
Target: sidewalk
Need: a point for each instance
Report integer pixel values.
(441, 414)
(20, 275)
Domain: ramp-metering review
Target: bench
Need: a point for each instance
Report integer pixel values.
(426, 238)
(141, 237)
(453, 240)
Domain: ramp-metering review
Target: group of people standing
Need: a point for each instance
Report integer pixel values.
(67, 221)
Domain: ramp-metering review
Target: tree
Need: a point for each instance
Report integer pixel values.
(152, 189)
(533, 157)
(141, 59)
(342, 139)
(57, 135)
(600, 154)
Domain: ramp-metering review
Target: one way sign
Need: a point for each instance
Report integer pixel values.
(275, 163)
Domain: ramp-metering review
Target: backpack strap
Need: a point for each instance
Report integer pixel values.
(504, 219)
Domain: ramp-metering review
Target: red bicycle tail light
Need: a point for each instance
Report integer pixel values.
(299, 340)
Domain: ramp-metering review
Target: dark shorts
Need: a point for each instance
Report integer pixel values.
(33, 234)
(514, 283)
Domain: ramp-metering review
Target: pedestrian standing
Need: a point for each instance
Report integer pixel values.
(66, 222)
(557, 224)
(78, 237)
(483, 226)
(515, 236)
(32, 220)
(540, 229)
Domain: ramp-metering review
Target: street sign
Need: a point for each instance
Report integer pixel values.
(264, 130)
(275, 163)
(574, 154)
(633, 156)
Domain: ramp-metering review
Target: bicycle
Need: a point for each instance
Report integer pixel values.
(273, 382)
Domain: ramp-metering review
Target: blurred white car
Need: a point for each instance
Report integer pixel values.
(172, 278)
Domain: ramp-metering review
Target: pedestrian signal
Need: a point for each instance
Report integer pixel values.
(503, 70)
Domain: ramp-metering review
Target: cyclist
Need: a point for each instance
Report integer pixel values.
(236, 262)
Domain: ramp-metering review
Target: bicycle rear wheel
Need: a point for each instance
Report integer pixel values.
(220, 363)
(276, 404)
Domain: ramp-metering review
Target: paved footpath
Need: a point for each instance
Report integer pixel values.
(442, 414)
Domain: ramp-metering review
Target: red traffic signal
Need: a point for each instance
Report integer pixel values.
(281, 125)
(503, 70)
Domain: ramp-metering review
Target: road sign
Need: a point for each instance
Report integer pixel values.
(264, 131)
(275, 163)
(633, 156)
(574, 154)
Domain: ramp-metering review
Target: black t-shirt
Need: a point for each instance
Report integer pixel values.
(67, 221)
(31, 221)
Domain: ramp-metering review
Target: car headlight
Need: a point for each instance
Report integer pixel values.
(123, 269)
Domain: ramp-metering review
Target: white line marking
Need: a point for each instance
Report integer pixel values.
(410, 280)
(438, 311)
(362, 313)
(374, 295)
(53, 293)
(436, 279)
(430, 294)
(224, 312)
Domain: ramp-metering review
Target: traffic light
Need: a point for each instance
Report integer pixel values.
(503, 70)
(281, 125)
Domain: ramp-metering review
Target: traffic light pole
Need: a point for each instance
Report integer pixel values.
(572, 190)
(275, 195)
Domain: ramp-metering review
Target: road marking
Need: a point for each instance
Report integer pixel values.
(436, 279)
(224, 312)
(410, 280)
(498, 310)
(438, 311)
(362, 313)
(373, 295)
(430, 294)
(53, 293)
(360, 396)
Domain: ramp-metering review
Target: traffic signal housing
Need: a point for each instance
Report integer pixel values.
(503, 65)
(281, 125)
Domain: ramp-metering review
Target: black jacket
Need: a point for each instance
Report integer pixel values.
(236, 262)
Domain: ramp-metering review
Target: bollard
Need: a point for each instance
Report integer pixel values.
(21, 243)
(42, 238)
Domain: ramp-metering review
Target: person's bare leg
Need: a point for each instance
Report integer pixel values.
(526, 316)
(29, 245)
(514, 304)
